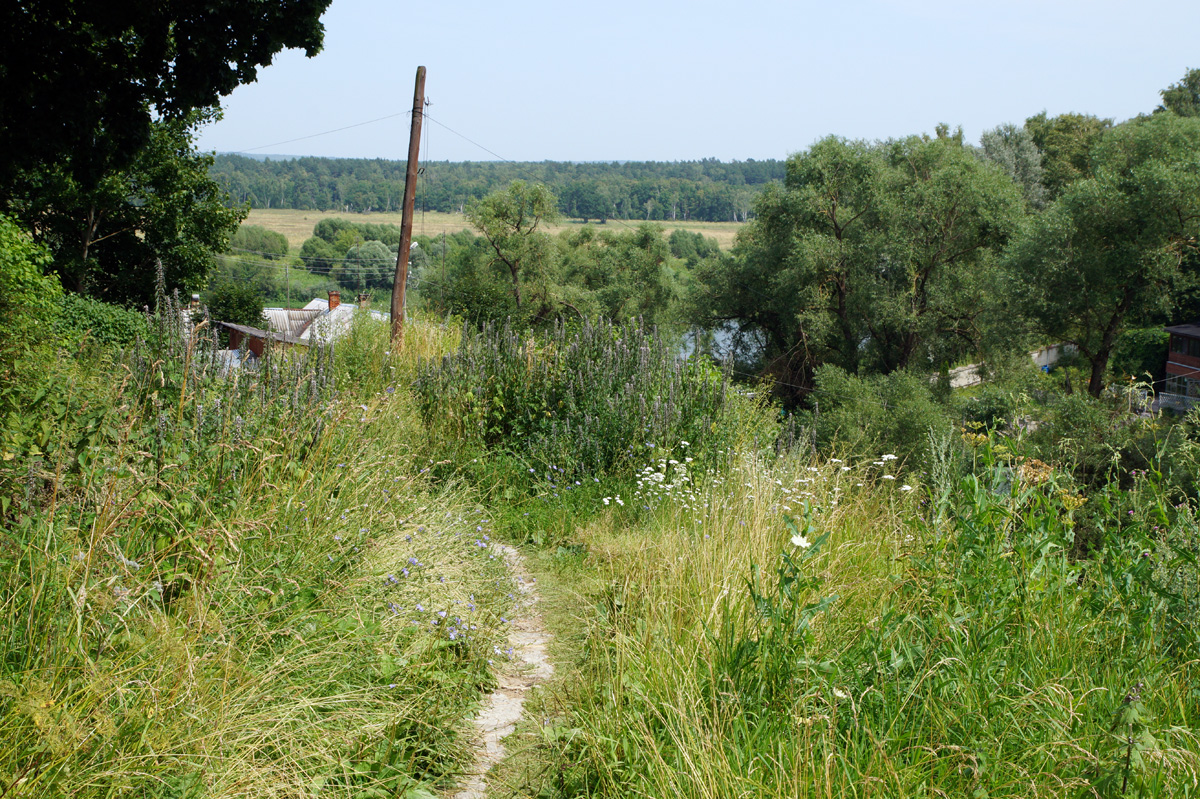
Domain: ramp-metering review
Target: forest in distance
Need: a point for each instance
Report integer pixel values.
(708, 190)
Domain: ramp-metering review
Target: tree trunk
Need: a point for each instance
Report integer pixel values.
(1099, 367)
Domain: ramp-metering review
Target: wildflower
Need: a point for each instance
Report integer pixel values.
(888, 477)
(906, 487)
(888, 457)
(800, 541)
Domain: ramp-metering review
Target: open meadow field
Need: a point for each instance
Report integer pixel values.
(298, 225)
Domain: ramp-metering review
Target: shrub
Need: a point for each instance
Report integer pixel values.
(83, 319)
(581, 402)
(28, 299)
(870, 416)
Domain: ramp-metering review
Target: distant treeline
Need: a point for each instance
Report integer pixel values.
(705, 191)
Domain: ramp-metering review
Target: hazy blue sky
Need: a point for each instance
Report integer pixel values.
(592, 81)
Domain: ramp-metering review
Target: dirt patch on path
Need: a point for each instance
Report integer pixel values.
(529, 666)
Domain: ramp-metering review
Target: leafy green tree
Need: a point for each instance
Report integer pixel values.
(106, 240)
(1066, 142)
(329, 229)
(368, 265)
(868, 257)
(622, 275)
(319, 255)
(1112, 249)
(692, 247)
(256, 240)
(82, 83)
(510, 220)
(1184, 97)
(237, 303)
(1012, 149)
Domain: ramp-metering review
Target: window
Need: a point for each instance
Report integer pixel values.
(1182, 345)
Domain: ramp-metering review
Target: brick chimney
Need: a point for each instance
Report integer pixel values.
(335, 299)
(364, 301)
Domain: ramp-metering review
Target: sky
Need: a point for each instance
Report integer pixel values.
(663, 80)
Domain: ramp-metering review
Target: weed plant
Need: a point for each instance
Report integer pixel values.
(586, 402)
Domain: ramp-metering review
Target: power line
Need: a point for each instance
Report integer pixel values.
(351, 269)
(326, 132)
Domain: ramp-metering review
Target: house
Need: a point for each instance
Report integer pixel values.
(255, 339)
(1182, 388)
(321, 320)
(333, 318)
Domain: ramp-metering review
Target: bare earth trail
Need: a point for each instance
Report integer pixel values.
(529, 666)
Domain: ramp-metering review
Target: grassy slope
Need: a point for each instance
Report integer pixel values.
(309, 659)
(938, 668)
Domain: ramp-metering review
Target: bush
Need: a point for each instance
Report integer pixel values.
(257, 240)
(581, 402)
(86, 320)
(871, 416)
(28, 298)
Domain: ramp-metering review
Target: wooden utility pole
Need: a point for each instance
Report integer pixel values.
(410, 193)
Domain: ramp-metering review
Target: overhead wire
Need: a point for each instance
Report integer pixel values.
(325, 132)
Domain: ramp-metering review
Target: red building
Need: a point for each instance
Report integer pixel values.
(1182, 388)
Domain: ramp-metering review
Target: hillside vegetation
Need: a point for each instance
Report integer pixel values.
(782, 554)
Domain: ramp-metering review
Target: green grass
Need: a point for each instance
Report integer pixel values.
(282, 583)
(962, 655)
(243, 603)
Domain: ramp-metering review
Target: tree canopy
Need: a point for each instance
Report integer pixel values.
(106, 239)
(870, 256)
(1112, 248)
(81, 83)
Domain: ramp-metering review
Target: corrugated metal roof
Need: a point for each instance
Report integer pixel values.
(265, 335)
(290, 321)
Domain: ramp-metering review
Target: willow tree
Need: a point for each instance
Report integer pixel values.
(512, 221)
(870, 256)
(1114, 248)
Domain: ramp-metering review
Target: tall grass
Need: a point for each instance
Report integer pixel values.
(239, 584)
(873, 641)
